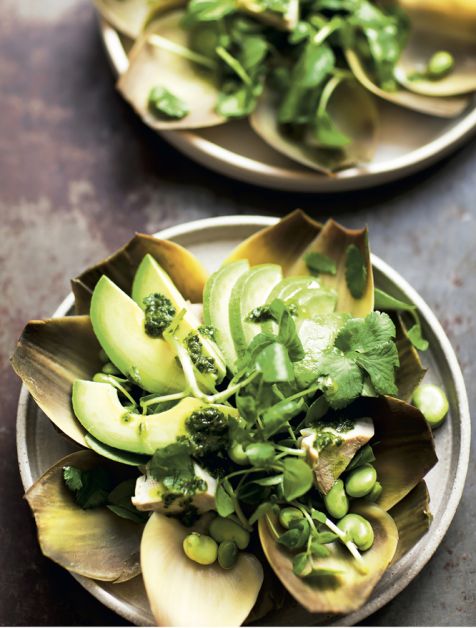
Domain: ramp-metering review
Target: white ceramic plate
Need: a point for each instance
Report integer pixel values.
(40, 445)
(408, 142)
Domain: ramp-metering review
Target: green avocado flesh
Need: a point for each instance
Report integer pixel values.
(216, 301)
(118, 324)
(250, 291)
(150, 278)
(99, 410)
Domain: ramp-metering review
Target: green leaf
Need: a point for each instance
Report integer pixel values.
(363, 456)
(297, 536)
(297, 478)
(208, 10)
(162, 103)
(325, 537)
(380, 364)
(237, 101)
(287, 333)
(254, 49)
(93, 486)
(119, 502)
(318, 549)
(224, 502)
(345, 380)
(355, 271)
(278, 416)
(416, 338)
(326, 134)
(260, 454)
(320, 263)
(260, 512)
(385, 301)
(315, 63)
(274, 363)
(302, 564)
(366, 334)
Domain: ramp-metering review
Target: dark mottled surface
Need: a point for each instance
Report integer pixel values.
(79, 173)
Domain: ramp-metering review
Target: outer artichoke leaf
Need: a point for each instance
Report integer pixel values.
(151, 65)
(347, 591)
(94, 543)
(129, 16)
(184, 269)
(412, 517)
(283, 243)
(358, 121)
(49, 357)
(184, 593)
(410, 372)
(404, 446)
(440, 107)
(333, 241)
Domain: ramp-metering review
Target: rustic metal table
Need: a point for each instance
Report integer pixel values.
(79, 174)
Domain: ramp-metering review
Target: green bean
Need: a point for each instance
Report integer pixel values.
(358, 530)
(238, 455)
(336, 501)
(222, 529)
(200, 548)
(227, 554)
(110, 369)
(432, 403)
(440, 64)
(375, 492)
(288, 515)
(360, 481)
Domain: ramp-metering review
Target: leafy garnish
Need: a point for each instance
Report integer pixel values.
(163, 103)
(386, 301)
(355, 271)
(297, 479)
(90, 487)
(319, 263)
(173, 466)
(119, 502)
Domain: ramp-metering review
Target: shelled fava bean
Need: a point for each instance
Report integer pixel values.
(224, 540)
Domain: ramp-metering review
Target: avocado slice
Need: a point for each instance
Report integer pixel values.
(306, 294)
(216, 300)
(151, 278)
(250, 291)
(99, 410)
(118, 323)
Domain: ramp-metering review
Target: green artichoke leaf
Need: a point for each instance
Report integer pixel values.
(335, 241)
(413, 518)
(94, 543)
(184, 269)
(410, 372)
(49, 357)
(347, 590)
(283, 243)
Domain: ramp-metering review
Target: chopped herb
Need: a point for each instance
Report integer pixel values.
(209, 431)
(173, 466)
(164, 104)
(159, 313)
(355, 271)
(208, 331)
(320, 263)
(203, 363)
(260, 314)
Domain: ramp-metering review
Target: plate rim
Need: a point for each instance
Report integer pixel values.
(300, 179)
(432, 542)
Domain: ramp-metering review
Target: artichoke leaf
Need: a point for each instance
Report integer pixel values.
(184, 593)
(49, 357)
(283, 243)
(152, 63)
(348, 589)
(354, 113)
(94, 543)
(184, 269)
(129, 16)
(413, 518)
(410, 371)
(453, 26)
(404, 447)
(334, 241)
(449, 107)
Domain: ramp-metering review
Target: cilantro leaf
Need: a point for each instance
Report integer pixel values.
(320, 263)
(344, 379)
(365, 334)
(287, 333)
(380, 364)
(72, 478)
(164, 104)
(90, 487)
(274, 363)
(173, 466)
(355, 271)
(119, 502)
(297, 478)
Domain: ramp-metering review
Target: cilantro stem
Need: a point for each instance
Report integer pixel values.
(234, 65)
(322, 34)
(161, 399)
(290, 450)
(231, 390)
(186, 53)
(303, 393)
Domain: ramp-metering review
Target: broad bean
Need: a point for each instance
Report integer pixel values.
(358, 530)
(222, 529)
(200, 548)
(360, 481)
(336, 501)
(227, 554)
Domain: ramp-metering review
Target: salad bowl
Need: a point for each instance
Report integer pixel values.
(39, 445)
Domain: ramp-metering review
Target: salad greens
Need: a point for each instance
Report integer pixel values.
(295, 442)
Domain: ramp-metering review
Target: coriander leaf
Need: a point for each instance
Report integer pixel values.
(173, 466)
(297, 478)
(162, 103)
(355, 271)
(416, 338)
(93, 486)
(224, 502)
(260, 454)
(344, 379)
(320, 263)
(260, 512)
(119, 502)
(385, 301)
(380, 364)
(287, 333)
(327, 135)
(312, 67)
(365, 334)
(274, 363)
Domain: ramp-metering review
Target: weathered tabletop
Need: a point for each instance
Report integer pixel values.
(79, 174)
